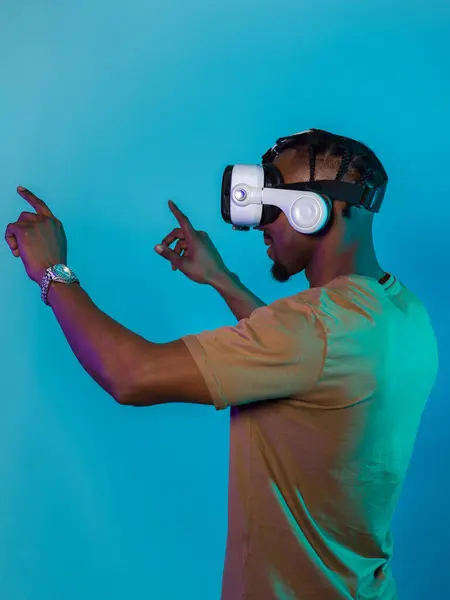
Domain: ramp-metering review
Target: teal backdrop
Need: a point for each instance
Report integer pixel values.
(108, 110)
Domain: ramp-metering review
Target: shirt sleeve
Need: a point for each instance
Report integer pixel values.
(278, 352)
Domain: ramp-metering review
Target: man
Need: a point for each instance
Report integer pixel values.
(326, 387)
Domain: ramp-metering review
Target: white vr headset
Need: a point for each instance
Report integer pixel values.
(255, 195)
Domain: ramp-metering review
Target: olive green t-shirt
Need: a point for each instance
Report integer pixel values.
(326, 389)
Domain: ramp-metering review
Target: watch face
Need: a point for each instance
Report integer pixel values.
(62, 271)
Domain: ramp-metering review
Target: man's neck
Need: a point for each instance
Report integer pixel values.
(324, 269)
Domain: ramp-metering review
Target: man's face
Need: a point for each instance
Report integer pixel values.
(289, 250)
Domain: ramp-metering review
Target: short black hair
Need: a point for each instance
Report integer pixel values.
(354, 155)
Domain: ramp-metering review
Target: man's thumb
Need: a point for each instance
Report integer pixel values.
(169, 254)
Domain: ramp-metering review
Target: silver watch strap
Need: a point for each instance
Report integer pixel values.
(47, 280)
(45, 284)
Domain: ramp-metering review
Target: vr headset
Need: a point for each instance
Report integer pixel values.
(255, 195)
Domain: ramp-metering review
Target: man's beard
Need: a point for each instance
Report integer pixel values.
(279, 272)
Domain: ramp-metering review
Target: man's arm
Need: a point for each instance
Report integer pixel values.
(241, 301)
(131, 369)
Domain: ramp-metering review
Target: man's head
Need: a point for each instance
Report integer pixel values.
(322, 157)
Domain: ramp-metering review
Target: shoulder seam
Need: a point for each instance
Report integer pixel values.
(325, 351)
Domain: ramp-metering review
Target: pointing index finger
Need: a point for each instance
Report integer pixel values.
(181, 217)
(39, 205)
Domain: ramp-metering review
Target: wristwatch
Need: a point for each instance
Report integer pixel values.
(59, 273)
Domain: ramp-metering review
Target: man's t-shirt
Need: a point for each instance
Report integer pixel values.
(326, 390)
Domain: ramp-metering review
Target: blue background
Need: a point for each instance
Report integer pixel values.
(109, 109)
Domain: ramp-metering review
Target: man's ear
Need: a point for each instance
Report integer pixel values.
(343, 208)
(347, 211)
